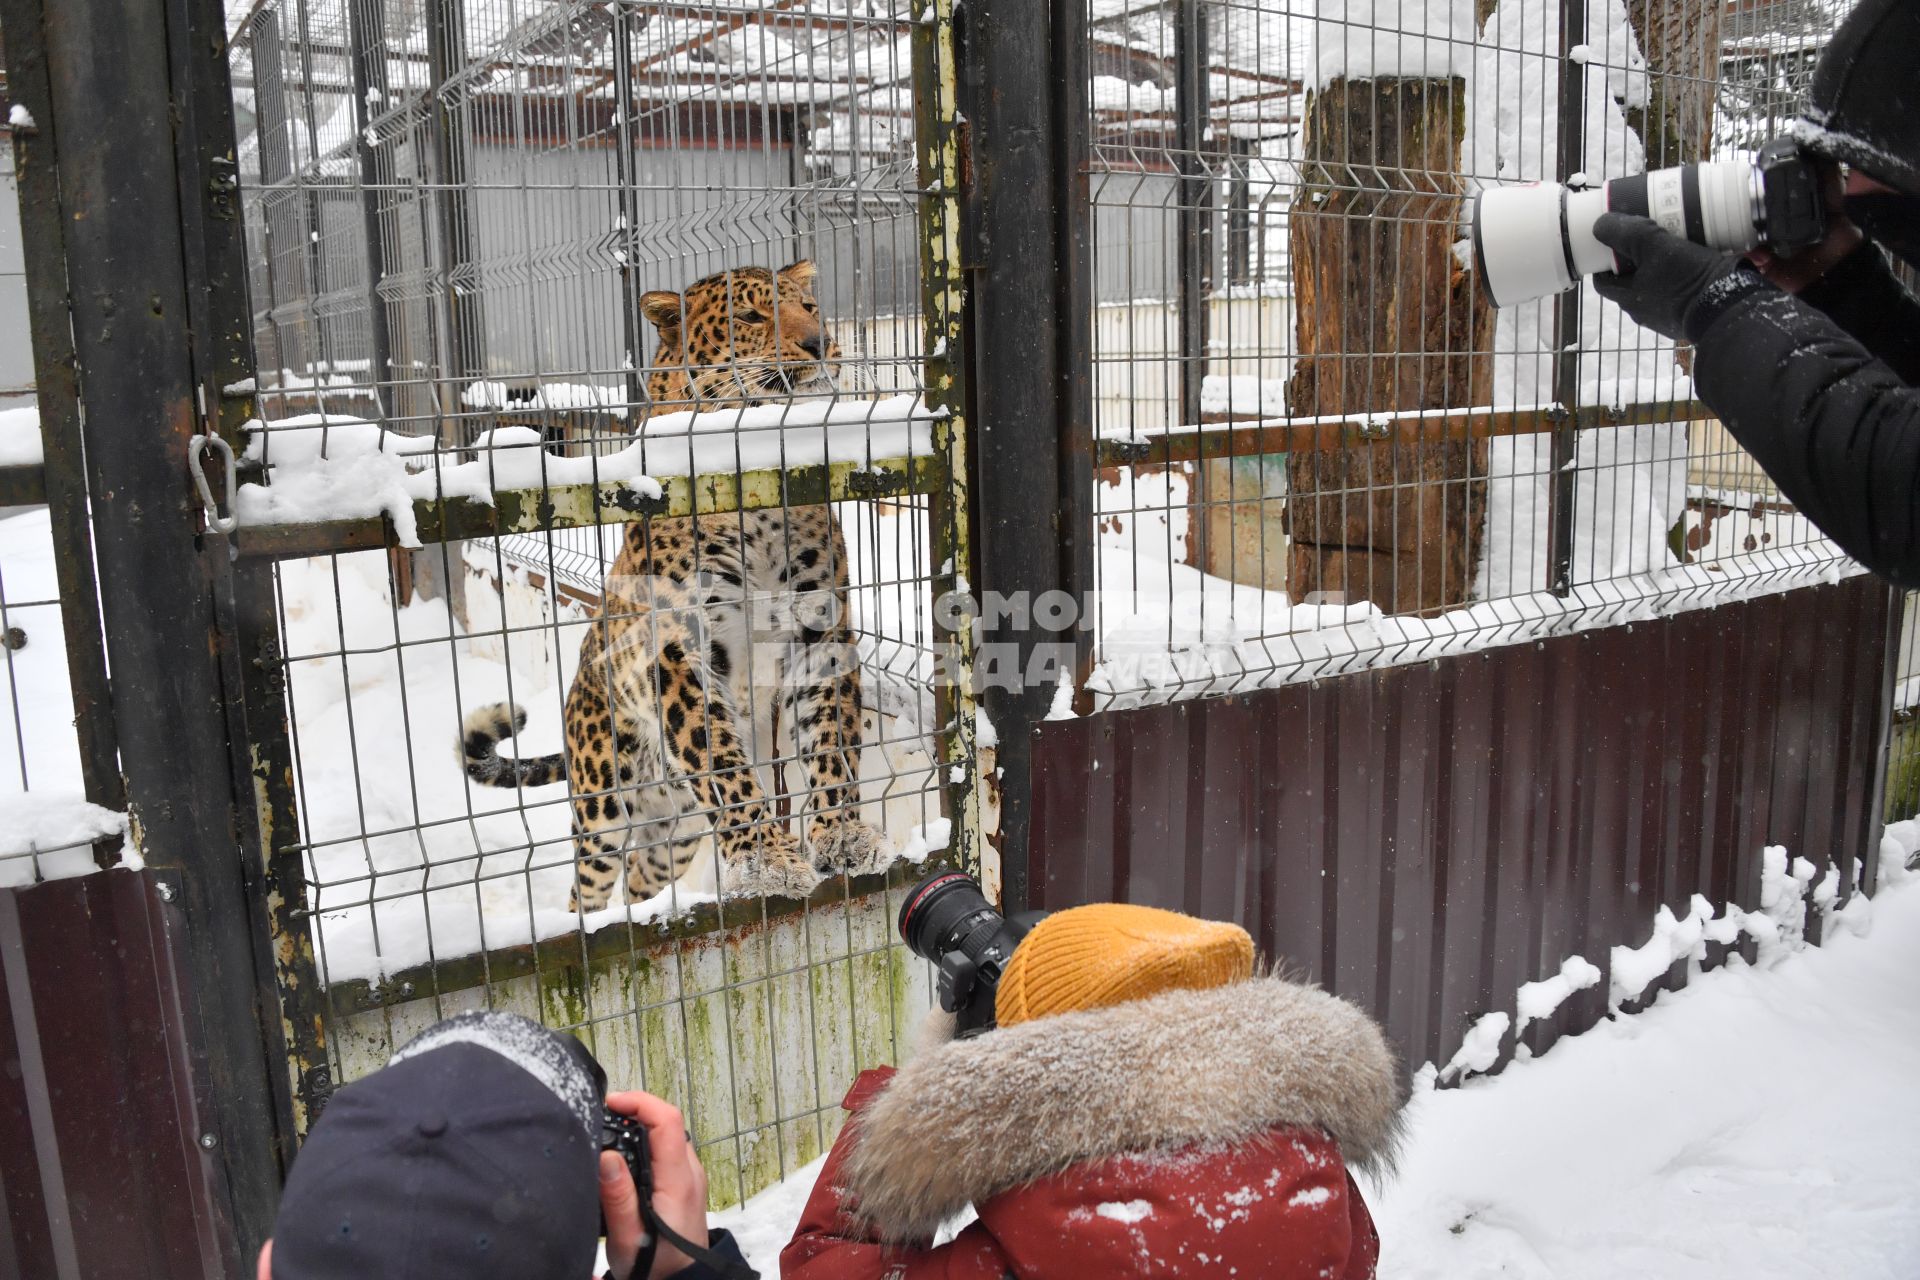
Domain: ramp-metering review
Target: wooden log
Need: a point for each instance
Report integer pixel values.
(1387, 319)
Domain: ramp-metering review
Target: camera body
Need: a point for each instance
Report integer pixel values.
(1792, 216)
(626, 1136)
(947, 920)
(1536, 240)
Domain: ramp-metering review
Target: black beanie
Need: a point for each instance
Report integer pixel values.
(1864, 108)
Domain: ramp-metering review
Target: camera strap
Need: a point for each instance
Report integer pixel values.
(656, 1230)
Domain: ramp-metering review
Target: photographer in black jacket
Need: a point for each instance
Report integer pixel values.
(1812, 363)
(475, 1153)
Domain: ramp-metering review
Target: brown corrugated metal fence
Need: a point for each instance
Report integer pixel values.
(102, 1167)
(1424, 839)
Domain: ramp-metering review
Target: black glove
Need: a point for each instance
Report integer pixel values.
(1670, 285)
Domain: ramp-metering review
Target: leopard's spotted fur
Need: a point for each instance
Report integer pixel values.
(708, 628)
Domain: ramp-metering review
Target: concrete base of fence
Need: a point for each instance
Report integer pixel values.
(755, 1030)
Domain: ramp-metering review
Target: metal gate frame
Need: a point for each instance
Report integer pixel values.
(133, 251)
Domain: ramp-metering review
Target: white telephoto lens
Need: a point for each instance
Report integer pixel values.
(1537, 240)
(1729, 214)
(1529, 242)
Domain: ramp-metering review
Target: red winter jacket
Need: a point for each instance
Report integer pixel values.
(1190, 1134)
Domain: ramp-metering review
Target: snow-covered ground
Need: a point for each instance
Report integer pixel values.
(1758, 1125)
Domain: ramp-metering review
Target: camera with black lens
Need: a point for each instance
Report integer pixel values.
(947, 921)
(1536, 240)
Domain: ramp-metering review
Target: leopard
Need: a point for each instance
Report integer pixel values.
(668, 718)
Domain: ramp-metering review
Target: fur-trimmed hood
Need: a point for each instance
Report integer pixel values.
(969, 1119)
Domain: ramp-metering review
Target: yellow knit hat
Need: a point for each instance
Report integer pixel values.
(1094, 956)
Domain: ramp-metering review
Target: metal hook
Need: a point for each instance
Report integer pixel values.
(215, 521)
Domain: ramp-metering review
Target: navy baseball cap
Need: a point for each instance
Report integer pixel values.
(473, 1153)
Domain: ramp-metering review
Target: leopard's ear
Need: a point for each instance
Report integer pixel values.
(801, 275)
(662, 306)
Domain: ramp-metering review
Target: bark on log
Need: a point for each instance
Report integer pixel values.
(1387, 318)
(1680, 40)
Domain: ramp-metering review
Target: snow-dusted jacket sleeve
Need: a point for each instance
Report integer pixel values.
(1825, 411)
(1862, 296)
(723, 1245)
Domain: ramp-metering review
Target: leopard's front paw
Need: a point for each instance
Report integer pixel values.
(849, 845)
(771, 865)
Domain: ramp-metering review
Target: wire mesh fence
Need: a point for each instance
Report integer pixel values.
(608, 510)
(1326, 449)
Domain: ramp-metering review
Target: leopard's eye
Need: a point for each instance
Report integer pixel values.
(749, 316)
(813, 308)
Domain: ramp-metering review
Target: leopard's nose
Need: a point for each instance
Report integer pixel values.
(815, 345)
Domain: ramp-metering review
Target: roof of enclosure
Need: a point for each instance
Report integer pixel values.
(845, 65)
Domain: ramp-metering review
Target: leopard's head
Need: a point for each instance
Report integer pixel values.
(745, 336)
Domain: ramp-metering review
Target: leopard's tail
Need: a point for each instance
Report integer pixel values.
(480, 738)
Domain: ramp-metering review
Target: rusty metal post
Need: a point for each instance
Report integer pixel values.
(1566, 315)
(366, 32)
(633, 325)
(34, 149)
(463, 323)
(1026, 85)
(1195, 212)
(246, 617)
(141, 113)
(1073, 307)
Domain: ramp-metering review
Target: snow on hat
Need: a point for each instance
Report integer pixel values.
(473, 1153)
(1093, 956)
(1864, 107)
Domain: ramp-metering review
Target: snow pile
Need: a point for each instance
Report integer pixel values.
(1061, 707)
(1370, 39)
(516, 458)
(329, 467)
(1111, 93)
(49, 835)
(20, 436)
(925, 839)
(1783, 894)
(1675, 939)
(785, 435)
(1244, 397)
(1481, 1048)
(985, 736)
(1778, 930)
(1540, 999)
(561, 396)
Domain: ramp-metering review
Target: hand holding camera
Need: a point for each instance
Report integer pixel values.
(653, 1193)
(1665, 283)
(645, 1152)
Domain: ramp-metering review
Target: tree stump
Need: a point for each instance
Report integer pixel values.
(1388, 319)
